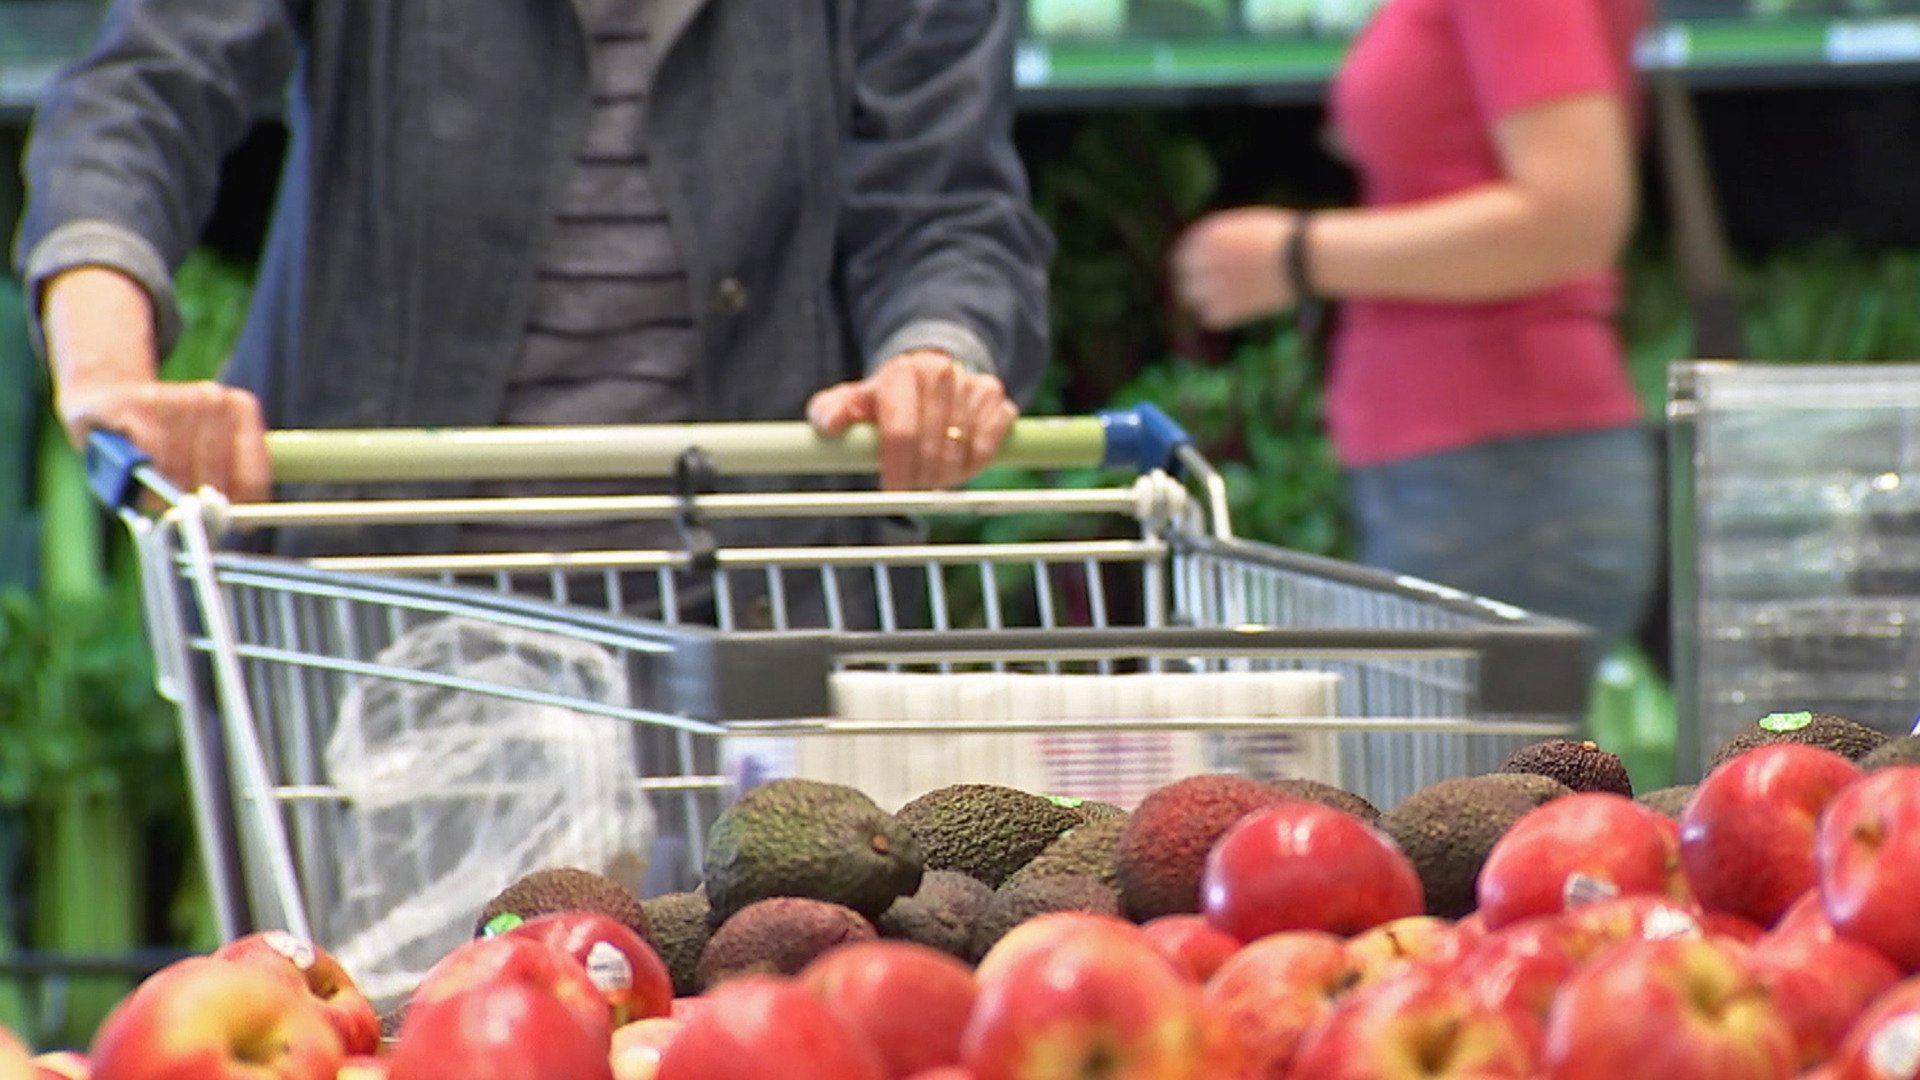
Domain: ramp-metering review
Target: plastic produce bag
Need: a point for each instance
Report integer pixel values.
(454, 793)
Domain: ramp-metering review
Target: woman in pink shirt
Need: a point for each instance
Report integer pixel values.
(1478, 397)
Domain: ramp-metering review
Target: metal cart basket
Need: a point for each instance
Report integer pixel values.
(377, 743)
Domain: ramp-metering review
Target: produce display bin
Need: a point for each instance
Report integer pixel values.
(1796, 546)
(379, 743)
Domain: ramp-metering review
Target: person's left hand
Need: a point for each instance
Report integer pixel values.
(939, 423)
(1227, 266)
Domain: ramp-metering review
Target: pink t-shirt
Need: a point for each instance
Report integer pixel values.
(1414, 106)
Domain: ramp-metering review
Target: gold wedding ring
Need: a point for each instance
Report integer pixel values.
(954, 432)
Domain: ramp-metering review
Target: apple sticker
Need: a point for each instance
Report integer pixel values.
(299, 952)
(608, 967)
(1895, 1049)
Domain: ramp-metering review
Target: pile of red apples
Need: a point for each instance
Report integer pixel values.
(1772, 932)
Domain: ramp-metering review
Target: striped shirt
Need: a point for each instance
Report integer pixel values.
(610, 336)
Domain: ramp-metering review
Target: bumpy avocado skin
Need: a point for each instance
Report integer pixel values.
(812, 839)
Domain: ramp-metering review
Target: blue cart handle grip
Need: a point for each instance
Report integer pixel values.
(1141, 438)
(113, 468)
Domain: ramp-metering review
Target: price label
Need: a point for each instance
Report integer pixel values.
(1881, 41)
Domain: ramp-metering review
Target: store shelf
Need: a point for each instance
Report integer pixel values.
(1761, 50)
(36, 36)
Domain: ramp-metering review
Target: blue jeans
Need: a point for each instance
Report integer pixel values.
(1565, 525)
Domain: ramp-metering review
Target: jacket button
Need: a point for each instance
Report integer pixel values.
(729, 296)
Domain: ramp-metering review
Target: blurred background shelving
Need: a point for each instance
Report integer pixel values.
(1099, 52)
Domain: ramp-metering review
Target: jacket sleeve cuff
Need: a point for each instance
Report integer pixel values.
(940, 335)
(102, 243)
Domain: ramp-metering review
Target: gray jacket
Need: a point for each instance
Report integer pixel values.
(839, 175)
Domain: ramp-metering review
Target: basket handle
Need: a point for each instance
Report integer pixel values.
(1141, 438)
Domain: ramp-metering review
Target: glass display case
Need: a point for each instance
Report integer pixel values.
(1796, 546)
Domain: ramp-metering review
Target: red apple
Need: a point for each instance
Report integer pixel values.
(1578, 849)
(1299, 865)
(944, 1072)
(506, 958)
(1719, 924)
(62, 1065)
(1520, 968)
(364, 1067)
(1414, 941)
(1868, 854)
(1196, 949)
(1805, 917)
(14, 1062)
(638, 1044)
(1820, 988)
(1419, 1023)
(630, 974)
(1884, 1044)
(1089, 1004)
(909, 1002)
(683, 1008)
(501, 1029)
(1276, 989)
(207, 1019)
(763, 1027)
(1746, 835)
(315, 970)
(1047, 930)
(1636, 917)
(1675, 1008)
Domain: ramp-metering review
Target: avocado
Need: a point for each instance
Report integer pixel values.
(777, 936)
(1447, 829)
(985, 831)
(1020, 900)
(565, 888)
(1580, 764)
(1088, 809)
(1848, 738)
(941, 914)
(1667, 801)
(792, 837)
(1900, 750)
(1087, 850)
(1328, 795)
(1540, 789)
(680, 930)
(1163, 848)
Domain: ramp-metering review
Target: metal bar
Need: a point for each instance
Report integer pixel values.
(491, 609)
(242, 729)
(457, 682)
(321, 793)
(575, 508)
(635, 450)
(836, 726)
(863, 557)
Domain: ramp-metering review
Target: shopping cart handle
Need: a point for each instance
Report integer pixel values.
(1140, 437)
(113, 468)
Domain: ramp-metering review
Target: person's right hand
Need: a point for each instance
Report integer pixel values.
(197, 433)
(99, 329)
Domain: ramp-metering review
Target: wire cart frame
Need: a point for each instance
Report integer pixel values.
(1391, 682)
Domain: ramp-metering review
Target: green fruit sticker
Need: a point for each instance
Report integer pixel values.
(1065, 801)
(1786, 721)
(500, 924)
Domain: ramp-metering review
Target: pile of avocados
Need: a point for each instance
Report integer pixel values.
(796, 867)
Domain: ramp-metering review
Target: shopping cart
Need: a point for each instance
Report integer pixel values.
(357, 727)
